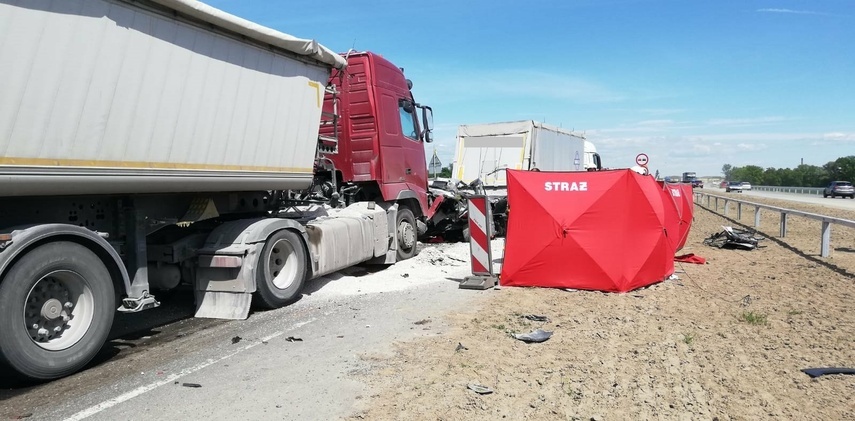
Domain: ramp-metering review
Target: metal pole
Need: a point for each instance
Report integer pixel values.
(738, 211)
(757, 217)
(783, 224)
(826, 239)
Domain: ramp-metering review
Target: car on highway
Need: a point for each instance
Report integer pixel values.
(746, 186)
(839, 188)
(733, 186)
(697, 183)
(723, 185)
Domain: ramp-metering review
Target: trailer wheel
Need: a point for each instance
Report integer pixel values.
(56, 305)
(406, 233)
(281, 270)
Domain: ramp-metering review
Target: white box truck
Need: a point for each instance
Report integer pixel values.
(484, 150)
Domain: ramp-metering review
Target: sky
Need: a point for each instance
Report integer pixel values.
(692, 84)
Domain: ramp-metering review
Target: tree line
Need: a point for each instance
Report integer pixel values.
(801, 176)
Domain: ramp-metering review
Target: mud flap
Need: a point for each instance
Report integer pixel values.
(223, 305)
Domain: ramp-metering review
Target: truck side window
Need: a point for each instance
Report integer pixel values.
(408, 123)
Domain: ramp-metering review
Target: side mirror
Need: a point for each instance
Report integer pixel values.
(427, 123)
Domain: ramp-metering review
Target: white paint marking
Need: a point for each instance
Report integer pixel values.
(88, 412)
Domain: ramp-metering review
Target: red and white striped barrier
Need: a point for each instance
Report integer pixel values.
(479, 245)
(479, 236)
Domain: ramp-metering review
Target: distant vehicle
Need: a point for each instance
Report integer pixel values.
(723, 184)
(746, 185)
(839, 188)
(672, 179)
(698, 183)
(733, 186)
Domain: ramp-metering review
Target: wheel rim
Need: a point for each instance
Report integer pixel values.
(59, 310)
(406, 235)
(283, 264)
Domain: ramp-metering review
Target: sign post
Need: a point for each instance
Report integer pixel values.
(435, 165)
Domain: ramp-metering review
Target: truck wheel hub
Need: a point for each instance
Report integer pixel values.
(58, 310)
(407, 235)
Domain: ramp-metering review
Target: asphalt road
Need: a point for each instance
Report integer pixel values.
(290, 363)
(839, 203)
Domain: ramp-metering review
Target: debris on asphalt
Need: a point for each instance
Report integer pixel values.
(535, 318)
(191, 385)
(405, 275)
(422, 322)
(293, 339)
(479, 389)
(236, 339)
(460, 347)
(538, 335)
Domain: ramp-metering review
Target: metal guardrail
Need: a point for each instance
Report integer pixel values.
(784, 189)
(825, 234)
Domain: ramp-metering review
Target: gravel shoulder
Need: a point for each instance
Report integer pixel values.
(728, 340)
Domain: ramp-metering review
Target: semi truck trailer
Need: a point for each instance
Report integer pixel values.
(149, 144)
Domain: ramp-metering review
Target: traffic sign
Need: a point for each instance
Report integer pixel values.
(642, 159)
(435, 165)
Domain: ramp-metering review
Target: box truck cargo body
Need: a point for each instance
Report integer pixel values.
(484, 150)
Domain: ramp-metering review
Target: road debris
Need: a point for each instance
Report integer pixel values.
(191, 385)
(460, 347)
(535, 318)
(538, 335)
(479, 389)
(236, 339)
(293, 339)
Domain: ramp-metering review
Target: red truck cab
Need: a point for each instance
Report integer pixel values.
(380, 133)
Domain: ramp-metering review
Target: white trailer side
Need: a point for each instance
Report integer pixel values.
(484, 149)
(111, 96)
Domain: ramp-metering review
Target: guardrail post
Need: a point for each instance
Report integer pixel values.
(783, 224)
(738, 211)
(726, 206)
(826, 239)
(757, 217)
(716, 204)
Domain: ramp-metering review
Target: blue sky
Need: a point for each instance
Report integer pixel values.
(693, 84)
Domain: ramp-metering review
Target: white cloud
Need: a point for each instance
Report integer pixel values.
(839, 137)
(791, 11)
(751, 146)
(738, 122)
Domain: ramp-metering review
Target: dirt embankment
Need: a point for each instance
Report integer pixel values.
(728, 340)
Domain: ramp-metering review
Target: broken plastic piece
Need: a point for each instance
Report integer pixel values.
(236, 339)
(538, 335)
(191, 385)
(816, 372)
(535, 318)
(479, 389)
(460, 347)
(293, 339)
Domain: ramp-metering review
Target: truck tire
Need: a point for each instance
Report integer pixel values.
(281, 270)
(57, 304)
(406, 233)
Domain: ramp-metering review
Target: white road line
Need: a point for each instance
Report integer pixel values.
(88, 412)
